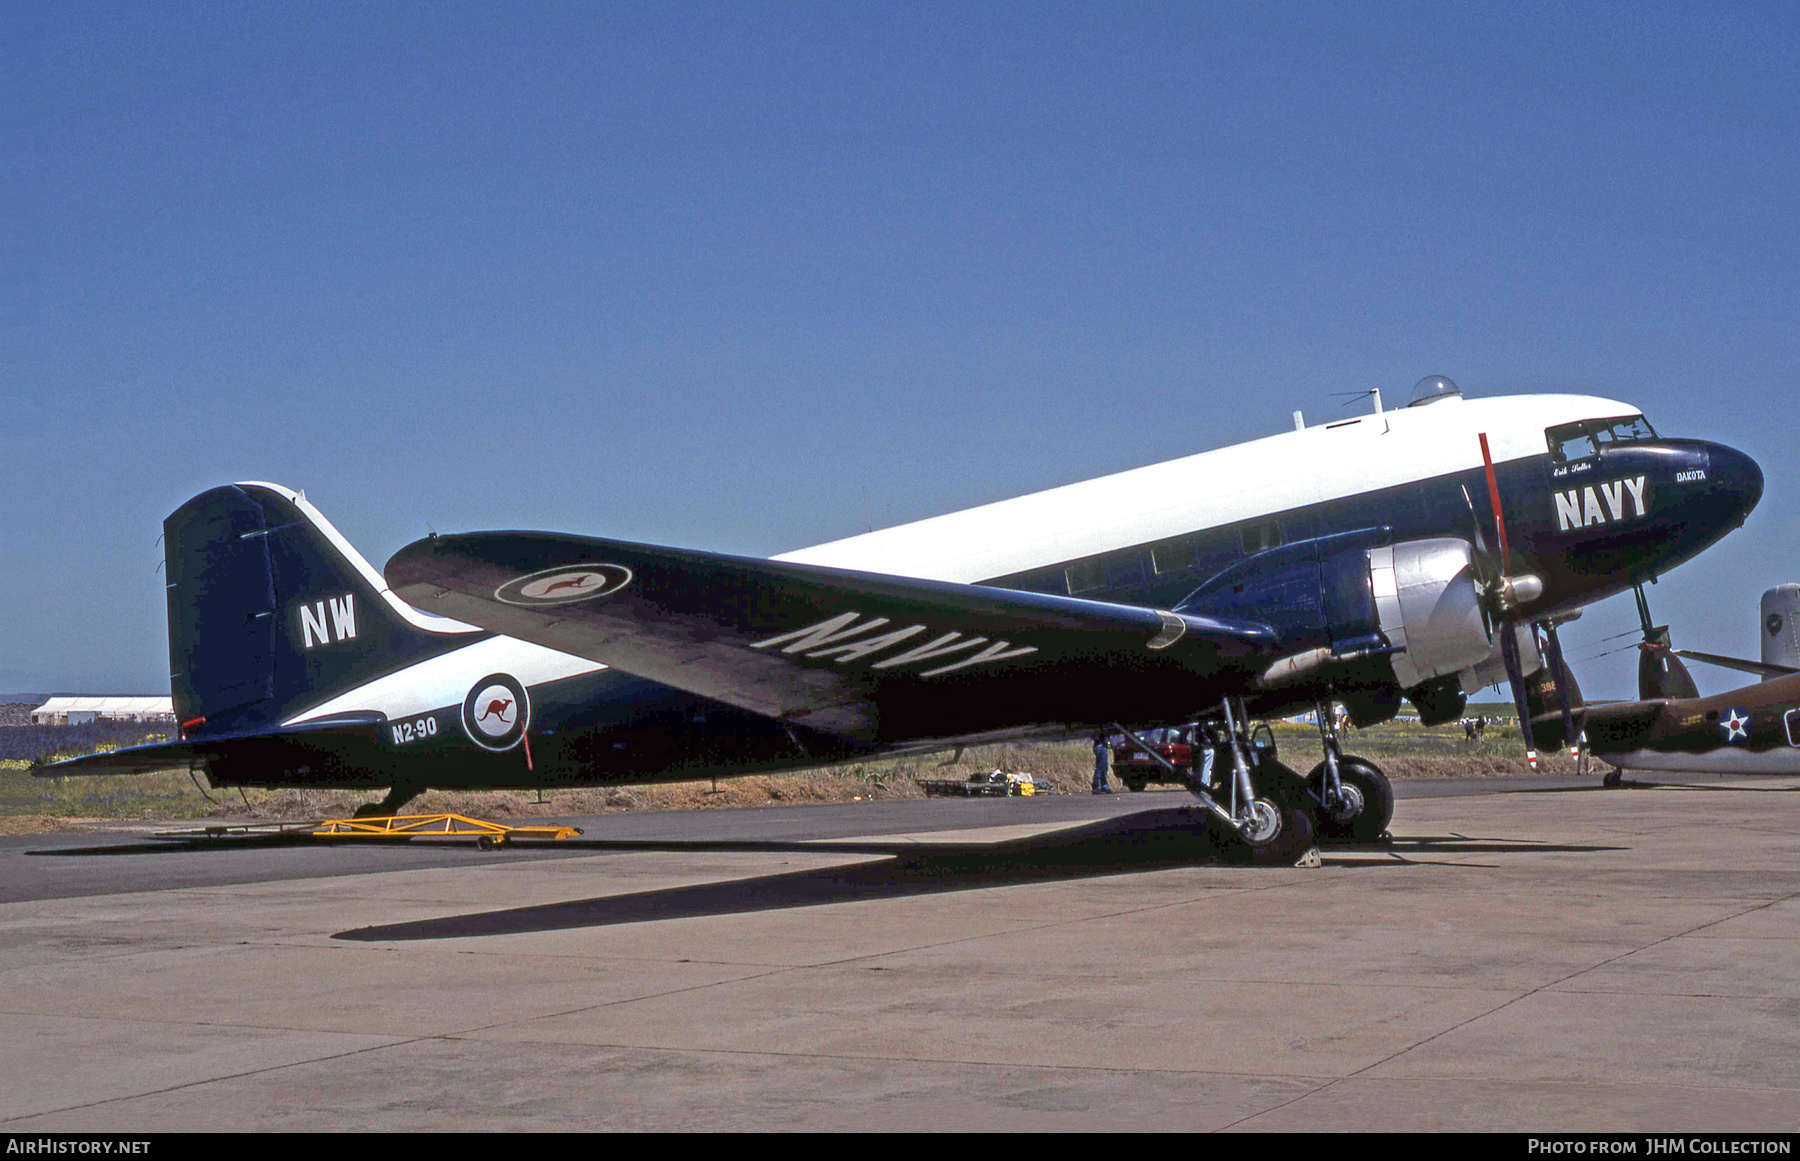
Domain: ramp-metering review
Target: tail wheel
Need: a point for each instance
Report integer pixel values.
(1364, 817)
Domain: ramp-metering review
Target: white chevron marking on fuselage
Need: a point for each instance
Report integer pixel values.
(443, 681)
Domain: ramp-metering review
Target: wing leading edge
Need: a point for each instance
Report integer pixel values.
(872, 657)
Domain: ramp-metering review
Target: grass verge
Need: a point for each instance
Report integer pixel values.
(37, 805)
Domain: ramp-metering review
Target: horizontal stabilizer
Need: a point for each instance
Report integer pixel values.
(1760, 668)
(155, 756)
(867, 656)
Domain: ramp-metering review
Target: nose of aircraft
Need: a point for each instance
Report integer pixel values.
(1735, 480)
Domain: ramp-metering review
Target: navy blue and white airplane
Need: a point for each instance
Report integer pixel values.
(1404, 553)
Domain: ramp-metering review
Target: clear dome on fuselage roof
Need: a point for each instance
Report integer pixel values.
(1432, 388)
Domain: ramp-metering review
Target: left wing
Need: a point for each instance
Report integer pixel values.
(867, 656)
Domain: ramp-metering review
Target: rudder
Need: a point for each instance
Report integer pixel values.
(271, 611)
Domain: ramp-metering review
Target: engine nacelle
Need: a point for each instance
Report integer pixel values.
(1339, 598)
(1429, 606)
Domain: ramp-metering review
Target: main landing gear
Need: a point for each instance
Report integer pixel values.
(1355, 800)
(1260, 806)
(397, 797)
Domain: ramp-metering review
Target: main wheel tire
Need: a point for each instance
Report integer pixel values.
(1371, 786)
(1282, 792)
(1292, 840)
(1135, 785)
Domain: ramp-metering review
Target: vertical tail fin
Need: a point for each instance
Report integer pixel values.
(271, 611)
(1781, 627)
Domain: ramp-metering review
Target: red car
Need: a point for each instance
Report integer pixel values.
(1136, 769)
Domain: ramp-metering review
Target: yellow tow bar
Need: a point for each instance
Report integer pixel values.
(487, 835)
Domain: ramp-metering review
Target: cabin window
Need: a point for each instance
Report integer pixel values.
(1298, 526)
(1041, 581)
(1216, 551)
(1578, 441)
(1172, 555)
(1125, 569)
(1086, 576)
(1261, 536)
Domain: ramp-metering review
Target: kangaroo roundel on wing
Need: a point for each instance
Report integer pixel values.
(564, 585)
(496, 712)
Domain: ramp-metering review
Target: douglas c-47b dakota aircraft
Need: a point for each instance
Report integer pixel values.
(1404, 553)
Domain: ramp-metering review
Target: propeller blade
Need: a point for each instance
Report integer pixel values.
(1509, 653)
(1566, 693)
(1508, 592)
(1487, 573)
(1479, 538)
(1487, 461)
(1643, 608)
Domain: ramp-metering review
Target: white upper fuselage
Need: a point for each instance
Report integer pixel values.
(1213, 488)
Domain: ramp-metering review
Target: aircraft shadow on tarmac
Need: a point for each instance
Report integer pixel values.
(167, 846)
(1151, 840)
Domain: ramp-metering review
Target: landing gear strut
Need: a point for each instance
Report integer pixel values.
(1265, 814)
(397, 797)
(1356, 802)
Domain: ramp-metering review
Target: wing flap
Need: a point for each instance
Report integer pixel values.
(864, 655)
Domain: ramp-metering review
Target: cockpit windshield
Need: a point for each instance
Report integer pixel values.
(1578, 441)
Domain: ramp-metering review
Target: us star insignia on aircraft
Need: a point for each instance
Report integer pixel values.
(1735, 725)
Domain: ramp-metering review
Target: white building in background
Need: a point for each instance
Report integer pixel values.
(75, 711)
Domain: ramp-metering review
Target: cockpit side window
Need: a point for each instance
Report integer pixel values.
(1578, 441)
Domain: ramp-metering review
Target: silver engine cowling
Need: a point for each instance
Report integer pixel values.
(1430, 605)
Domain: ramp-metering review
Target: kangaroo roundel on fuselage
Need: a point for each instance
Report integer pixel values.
(496, 712)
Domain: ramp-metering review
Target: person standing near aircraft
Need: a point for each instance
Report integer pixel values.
(1206, 749)
(1102, 755)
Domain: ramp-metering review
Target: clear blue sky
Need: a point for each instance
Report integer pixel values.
(702, 274)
